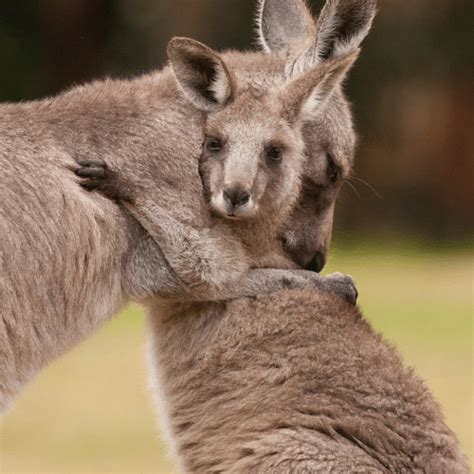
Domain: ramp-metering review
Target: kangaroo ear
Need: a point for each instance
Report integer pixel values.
(201, 73)
(282, 23)
(343, 25)
(341, 28)
(304, 98)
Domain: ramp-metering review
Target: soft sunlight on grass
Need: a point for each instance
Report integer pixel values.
(90, 411)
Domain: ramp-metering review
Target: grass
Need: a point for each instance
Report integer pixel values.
(91, 412)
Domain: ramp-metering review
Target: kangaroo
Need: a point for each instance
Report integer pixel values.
(251, 167)
(294, 382)
(297, 381)
(69, 260)
(288, 383)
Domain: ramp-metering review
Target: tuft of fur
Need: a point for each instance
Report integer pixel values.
(294, 382)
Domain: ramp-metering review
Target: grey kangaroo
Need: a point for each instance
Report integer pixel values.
(70, 259)
(251, 167)
(293, 382)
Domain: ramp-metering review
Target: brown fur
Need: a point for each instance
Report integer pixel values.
(295, 382)
(69, 260)
(215, 261)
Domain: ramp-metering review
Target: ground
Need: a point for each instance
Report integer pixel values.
(91, 412)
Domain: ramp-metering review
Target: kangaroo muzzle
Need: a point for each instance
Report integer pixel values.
(237, 200)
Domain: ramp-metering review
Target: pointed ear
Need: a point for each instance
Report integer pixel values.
(282, 23)
(304, 98)
(343, 25)
(201, 73)
(341, 28)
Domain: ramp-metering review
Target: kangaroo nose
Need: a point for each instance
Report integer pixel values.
(236, 197)
(317, 263)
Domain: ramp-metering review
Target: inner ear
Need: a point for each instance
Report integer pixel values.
(341, 28)
(203, 76)
(343, 25)
(305, 97)
(201, 73)
(282, 23)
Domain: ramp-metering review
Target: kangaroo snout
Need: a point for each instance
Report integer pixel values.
(317, 263)
(236, 196)
(237, 200)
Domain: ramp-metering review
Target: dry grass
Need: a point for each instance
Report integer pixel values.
(90, 411)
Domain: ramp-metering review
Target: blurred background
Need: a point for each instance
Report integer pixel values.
(404, 232)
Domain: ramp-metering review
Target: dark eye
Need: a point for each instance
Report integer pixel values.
(333, 170)
(275, 154)
(213, 144)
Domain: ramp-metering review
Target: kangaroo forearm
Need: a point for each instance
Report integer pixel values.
(148, 275)
(196, 257)
(256, 282)
(175, 239)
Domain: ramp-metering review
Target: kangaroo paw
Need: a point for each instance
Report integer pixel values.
(343, 286)
(97, 176)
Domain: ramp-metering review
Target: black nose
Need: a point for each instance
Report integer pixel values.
(317, 263)
(236, 197)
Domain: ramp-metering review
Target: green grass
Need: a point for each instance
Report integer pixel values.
(91, 412)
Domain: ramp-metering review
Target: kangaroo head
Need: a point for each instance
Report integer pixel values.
(253, 152)
(252, 158)
(288, 31)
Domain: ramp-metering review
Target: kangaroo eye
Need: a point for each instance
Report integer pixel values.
(213, 144)
(275, 154)
(333, 171)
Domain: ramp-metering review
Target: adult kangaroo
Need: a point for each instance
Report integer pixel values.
(69, 260)
(294, 382)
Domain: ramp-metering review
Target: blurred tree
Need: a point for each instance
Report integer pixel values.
(73, 34)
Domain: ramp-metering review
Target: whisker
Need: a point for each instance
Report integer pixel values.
(360, 180)
(353, 188)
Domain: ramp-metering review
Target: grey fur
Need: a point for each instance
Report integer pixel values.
(69, 260)
(199, 70)
(292, 382)
(284, 23)
(287, 29)
(215, 261)
(295, 382)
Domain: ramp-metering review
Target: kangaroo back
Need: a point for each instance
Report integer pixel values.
(60, 269)
(296, 382)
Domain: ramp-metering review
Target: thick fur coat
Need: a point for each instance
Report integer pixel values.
(69, 259)
(295, 382)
